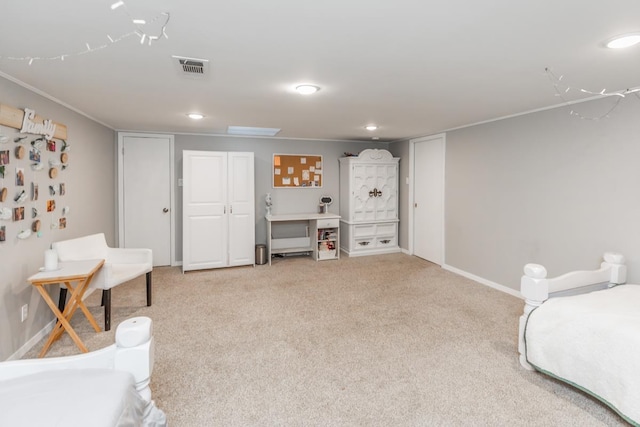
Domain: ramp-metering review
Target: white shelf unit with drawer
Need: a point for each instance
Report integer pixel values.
(369, 203)
(327, 233)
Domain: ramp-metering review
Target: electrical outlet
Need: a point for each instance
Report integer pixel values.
(24, 312)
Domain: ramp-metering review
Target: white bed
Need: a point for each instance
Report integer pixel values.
(108, 387)
(584, 328)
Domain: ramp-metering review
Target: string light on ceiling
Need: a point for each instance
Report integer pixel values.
(562, 90)
(140, 24)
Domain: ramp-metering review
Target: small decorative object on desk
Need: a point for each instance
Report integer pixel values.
(268, 202)
(325, 201)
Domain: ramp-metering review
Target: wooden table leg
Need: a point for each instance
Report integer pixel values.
(69, 309)
(82, 288)
(63, 324)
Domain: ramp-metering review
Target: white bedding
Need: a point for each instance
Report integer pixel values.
(591, 341)
(76, 398)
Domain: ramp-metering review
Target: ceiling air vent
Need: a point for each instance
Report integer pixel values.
(192, 67)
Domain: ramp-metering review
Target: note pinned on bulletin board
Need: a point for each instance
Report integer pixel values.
(297, 171)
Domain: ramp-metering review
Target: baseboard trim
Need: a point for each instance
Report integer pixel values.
(33, 341)
(482, 281)
(41, 334)
(382, 251)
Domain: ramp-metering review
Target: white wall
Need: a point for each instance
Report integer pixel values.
(90, 195)
(285, 200)
(546, 187)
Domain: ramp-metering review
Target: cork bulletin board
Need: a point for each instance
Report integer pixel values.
(297, 171)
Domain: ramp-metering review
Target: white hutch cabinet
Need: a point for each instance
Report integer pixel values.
(369, 203)
(217, 209)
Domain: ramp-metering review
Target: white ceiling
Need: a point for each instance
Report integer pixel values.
(414, 67)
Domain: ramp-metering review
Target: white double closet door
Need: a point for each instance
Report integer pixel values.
(218, 209)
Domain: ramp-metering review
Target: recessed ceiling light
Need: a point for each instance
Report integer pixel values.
(307, 89)
(625, 40)
(371, 127)
(139, 21)
(195, 116)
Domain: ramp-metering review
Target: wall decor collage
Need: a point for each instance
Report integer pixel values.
(32, 185)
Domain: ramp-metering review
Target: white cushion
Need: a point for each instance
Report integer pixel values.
(111, 275)
(121, 264)
(87, 247)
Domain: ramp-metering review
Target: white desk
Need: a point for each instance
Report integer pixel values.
(301, 244)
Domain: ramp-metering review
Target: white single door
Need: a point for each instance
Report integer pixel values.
(241, 203)
(204, 210)
(428, 198)
(146, 195)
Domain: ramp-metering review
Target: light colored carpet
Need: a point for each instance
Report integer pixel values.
(387, 340)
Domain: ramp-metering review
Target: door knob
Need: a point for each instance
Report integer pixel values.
(165, 210)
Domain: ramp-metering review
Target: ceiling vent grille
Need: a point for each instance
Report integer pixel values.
(191, 67)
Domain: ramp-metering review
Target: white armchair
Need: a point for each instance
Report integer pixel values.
(120, 266)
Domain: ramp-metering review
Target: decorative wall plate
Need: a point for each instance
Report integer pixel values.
(3, 194)
(24, 234)
(6, 213)
(53, 172)
(21, 197)
(36, 225)
(37, 166)
(38, 143)
(64, 157)
(20, 152)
